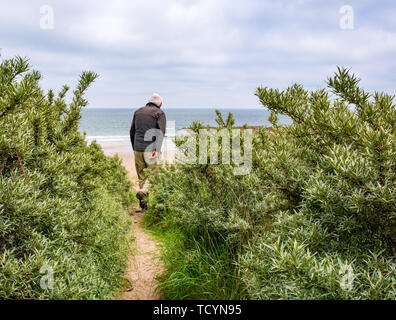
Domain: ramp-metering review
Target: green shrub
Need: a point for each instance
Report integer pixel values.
(62, 202)
(316, 216)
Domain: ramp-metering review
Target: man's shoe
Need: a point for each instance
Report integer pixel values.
(140, 195)
(142, 203)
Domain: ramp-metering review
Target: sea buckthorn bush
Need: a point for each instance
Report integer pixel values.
(314, 219)
(63, 224)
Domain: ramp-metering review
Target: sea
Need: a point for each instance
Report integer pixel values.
(111, 125)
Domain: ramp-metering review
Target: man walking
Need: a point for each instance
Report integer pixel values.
(147, 133)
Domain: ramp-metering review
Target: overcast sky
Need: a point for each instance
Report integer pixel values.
(200, 53)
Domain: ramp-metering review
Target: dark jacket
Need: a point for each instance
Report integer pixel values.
(144, 119)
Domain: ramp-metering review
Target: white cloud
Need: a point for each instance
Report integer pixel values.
(214, 51)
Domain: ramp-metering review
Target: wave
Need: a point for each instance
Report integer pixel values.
(167, 145)
(114, 138)
(107, 138)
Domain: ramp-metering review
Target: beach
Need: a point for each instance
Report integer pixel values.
(125, 153)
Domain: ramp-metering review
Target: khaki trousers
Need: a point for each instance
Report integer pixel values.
(144, 160)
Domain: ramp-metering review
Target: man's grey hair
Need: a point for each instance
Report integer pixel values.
(156, 99)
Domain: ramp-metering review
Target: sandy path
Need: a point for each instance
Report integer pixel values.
(144, 264)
